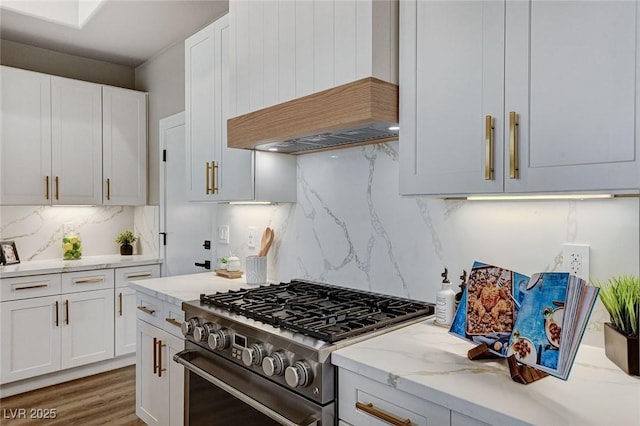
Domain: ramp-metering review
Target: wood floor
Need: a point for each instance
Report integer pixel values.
(104, 399)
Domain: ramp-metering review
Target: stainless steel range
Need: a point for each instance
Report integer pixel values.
(261, 356)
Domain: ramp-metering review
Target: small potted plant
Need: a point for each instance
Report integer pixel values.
(126, 239)
(621, 297)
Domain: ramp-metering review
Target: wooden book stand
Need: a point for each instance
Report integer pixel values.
(520, 373)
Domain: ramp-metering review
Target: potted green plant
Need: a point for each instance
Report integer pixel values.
(621, 297)
(126, 239)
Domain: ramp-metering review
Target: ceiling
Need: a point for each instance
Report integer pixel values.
(120, 31)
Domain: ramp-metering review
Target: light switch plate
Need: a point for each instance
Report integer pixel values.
(223, 234)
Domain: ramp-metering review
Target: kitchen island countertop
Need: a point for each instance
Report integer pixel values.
(425, 361)
(86, 263)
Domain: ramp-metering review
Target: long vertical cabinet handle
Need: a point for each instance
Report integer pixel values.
(155, 355)
(108, 188)
(57, 188)
(57, 314)
(160, 369)
(214, 170)
(513, 145)
(207, 178)
(120, 303)
(66, 312)
(46, 187)
(488, 148)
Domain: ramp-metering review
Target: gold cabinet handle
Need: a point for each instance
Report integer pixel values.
(57, 314)
(108, 188)
(120, 304)
(207, 179)
(146, 310)
(46, 187)
(31, 287)
(160, 369)
(386, 417)
(155, 355)
(57, 188)
(66, 312)
(488, 148)
(147, 274)
(214, 170)
(513, 145)
(89, 281)
(173, 322)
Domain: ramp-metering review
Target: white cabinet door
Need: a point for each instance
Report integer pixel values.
(87, 327)
(452, 56)
(76, 142)
(125, 321)
(176, 379)
(152, 386)
(30, 338)
(124, 146)
(25, 138)
(214, 172)
(571, 71)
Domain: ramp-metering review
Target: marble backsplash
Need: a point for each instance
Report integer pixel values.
(350, 227)
(38, 230)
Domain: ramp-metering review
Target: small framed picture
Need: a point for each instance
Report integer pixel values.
(8, 253)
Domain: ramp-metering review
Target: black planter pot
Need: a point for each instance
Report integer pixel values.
(126, 249)
(621, 349)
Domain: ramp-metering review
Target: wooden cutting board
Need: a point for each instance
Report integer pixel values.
(228, 274)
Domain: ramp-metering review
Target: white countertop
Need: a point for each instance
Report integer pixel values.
(425, 361)
(180, 288)
(87, 263)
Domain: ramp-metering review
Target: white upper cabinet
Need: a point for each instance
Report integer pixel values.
(76, 141)
(124, 146)
(25, 139)
(214, 171)
(286, 49)
(518, 97)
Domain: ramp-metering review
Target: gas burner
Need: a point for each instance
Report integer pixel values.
(325, 312)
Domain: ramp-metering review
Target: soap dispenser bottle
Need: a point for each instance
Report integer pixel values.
(445, 301)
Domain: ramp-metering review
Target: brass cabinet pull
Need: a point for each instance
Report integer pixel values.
(57, 314)
(173, 322)
(160, 369)
(66, 310)
(46, 187)
(513, 145)
(146, 310)
(148, 274)
(31, 287)
(214, 170)
(57, 188)
(89, 281)
(155, 356)
(120, 300)
(386, 417)
(207, 179)
(488, 148)
(108, 188)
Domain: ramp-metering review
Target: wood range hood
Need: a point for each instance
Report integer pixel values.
(357, 113)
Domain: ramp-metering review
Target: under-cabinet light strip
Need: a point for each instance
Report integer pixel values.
(539, 197)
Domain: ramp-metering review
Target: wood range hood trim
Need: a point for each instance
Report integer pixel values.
(368, 104)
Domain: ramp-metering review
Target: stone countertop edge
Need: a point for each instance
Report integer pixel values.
(86, 263)
(425, 361)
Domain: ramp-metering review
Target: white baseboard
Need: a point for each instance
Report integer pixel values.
(32, 383)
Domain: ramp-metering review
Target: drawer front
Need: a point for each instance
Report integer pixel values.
(173, 316)
(32, 286)
(135, 273)
(100, 279)
(365, 402)
(149, 309)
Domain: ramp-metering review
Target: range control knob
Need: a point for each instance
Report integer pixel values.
(219, 340)
(298, 374)
(201, 333)
(252, 355)
(274, 364)
(187, 327)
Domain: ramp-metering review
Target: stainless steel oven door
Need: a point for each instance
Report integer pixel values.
(218, 392)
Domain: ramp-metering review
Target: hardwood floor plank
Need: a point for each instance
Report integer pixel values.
(103, 399)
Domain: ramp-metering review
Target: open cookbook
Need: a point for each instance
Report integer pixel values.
(539, 319)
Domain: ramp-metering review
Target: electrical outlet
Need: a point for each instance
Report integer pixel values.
(252, 237)
(575, 259)
(223, 234)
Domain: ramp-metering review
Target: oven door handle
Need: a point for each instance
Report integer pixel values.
(180, 358)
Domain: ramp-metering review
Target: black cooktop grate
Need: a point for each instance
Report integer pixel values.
(326, 312)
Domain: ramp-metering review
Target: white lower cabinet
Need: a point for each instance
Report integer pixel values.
(159, 380)
(366, 402)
